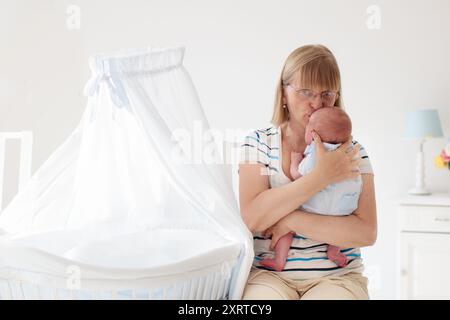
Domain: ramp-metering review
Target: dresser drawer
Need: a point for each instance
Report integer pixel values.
(425, 218)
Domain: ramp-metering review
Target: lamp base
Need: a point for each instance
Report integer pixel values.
(419, 191)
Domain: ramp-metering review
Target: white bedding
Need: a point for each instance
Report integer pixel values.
(140, 249)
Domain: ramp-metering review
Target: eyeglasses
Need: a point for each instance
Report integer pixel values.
(328, 96)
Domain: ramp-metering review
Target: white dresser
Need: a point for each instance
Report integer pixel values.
(423, 247)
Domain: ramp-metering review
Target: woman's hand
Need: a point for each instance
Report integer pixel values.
(277, 231)
(337, 165)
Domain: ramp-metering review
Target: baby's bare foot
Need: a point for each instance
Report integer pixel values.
(272, 264)
(337, 257)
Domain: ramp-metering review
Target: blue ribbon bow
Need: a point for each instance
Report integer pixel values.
(106, 70)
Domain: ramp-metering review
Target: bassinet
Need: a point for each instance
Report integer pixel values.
(123, 208)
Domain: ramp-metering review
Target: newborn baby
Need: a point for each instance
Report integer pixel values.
(334, 128)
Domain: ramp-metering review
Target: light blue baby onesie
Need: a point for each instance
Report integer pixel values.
(337, 199)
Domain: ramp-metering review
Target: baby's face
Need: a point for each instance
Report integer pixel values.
(308, 134)
(313, 124)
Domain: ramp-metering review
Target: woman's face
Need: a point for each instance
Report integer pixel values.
(301, 108)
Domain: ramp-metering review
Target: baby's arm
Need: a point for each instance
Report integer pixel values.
(296, 158)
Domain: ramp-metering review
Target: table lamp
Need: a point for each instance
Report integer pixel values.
(422, 124)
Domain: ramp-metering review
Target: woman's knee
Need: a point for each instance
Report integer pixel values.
(265, 286)
(264, 292)
(327, 292)
(336, 291)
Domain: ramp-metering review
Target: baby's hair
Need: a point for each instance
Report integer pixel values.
(332, 124)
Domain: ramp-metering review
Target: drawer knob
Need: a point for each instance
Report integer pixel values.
(442, 219)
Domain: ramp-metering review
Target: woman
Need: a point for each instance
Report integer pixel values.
(270, 198)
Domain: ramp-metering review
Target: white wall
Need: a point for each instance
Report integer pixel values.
(235, 51)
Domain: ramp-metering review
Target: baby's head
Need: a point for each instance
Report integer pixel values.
(332, 124)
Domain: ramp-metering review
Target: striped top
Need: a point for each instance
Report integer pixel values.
(307, 258)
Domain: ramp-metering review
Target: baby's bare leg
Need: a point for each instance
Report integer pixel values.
(281, 253)
(334, 254)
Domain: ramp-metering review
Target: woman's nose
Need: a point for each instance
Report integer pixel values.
(317, 102)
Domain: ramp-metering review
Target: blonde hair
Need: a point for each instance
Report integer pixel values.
(315, 65)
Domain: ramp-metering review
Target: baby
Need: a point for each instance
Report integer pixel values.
(334, 128)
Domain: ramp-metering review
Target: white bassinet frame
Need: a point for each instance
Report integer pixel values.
(26, 272)
(68, 280)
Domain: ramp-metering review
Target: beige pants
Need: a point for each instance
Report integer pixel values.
(270, 285)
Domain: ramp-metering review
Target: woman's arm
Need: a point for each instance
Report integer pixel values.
(262, 207)
(356, 230)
